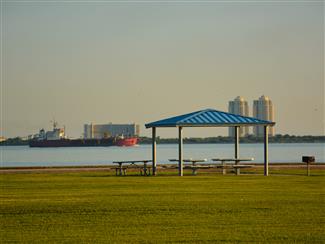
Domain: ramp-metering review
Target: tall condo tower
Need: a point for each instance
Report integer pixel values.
(263, 109)
(238, 106)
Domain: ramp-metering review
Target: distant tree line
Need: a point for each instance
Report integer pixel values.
(247, 139)
(17, 141)
(195, 140)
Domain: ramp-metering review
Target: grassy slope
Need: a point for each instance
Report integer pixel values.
(98, 207)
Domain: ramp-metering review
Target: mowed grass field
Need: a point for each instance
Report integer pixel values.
(93, 207)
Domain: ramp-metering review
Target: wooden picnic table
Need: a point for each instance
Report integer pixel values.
(120, 170)
(235, 166)
(194, 167)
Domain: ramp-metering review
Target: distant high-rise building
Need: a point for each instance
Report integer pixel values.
(263, 109)
(238, 106)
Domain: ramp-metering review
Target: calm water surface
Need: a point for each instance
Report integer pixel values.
(25, 156)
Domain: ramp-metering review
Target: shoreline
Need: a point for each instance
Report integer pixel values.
(94, 168)
(174, 141)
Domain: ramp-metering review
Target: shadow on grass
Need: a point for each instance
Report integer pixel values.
(292, 172)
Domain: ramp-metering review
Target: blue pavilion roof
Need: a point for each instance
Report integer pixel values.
(208, 117)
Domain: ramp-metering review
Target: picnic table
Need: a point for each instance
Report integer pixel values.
(194, 167)
(235, 166)
(144, 170)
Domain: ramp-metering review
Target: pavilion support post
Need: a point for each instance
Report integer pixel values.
(154, 150)
(266, 150)
(180, 151)
(237, 148)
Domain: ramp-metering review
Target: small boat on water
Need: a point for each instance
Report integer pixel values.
(57, 138)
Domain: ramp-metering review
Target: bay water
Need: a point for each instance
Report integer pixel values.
(24, 156)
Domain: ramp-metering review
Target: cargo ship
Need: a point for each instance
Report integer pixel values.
(57, 138)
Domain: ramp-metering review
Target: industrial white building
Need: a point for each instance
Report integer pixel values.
(238, 106)
(263, 109)
(98, 131)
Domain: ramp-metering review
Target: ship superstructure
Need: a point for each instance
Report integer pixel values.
(55, 134)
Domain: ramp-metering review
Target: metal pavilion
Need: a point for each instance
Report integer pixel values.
(207, 118)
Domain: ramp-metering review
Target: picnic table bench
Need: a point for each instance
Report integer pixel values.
(224, 166)
(121, 170)
(194, 167)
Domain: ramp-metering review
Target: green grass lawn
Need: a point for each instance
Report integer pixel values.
(90, 207)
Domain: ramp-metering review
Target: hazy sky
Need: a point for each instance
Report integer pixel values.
(125, 62)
